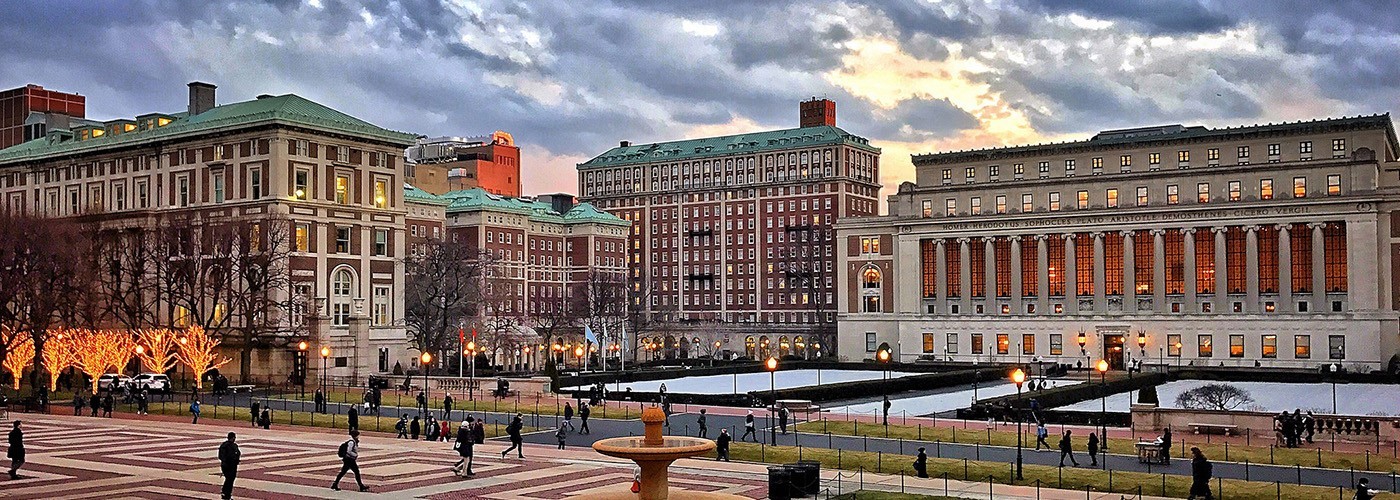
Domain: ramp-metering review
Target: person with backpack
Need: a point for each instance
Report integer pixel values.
(1040, 434)
(584, 409)
(107, 405)
(1200, 475)
(748, 427)
(921, 463)
(465, 443)
(349, 461)
(1067, 450)
(516, 442)
(568, 416)
(402, 427)
(561, 434)
(194, 410)
(266, 419)
(1094, 450)
(229, 456)
(722, 445)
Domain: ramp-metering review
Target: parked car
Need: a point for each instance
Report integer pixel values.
(156, 382)
(112, 381)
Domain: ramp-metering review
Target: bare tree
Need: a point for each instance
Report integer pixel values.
(501, 305)
(1216, 397)
(442, 292)
(40, 276)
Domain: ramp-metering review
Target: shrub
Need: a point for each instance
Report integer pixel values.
(1148, 395)
(1218, 397)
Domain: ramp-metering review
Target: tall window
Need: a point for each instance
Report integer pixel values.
(1173, 196)
(381, 194)
(869, 342)
(1142, 196)
(1027, 203)
(218, 181)
(1300, 187)
(870, 279)
(1174, 345)
(255, 183)
(1112, 195)
(1002, 247)
(1336, 347)
(1300, 246)
(1082, 200)
(1233, 188)
(928, 253)
(303, 181)
(380, 312)
(1003, 343)
(928, 208)
(928, 342)
(1001, 203)
(1203, 192)
(976, 207)
(381, 242)
(953, 260)
(342, 190)
(1302, 346)
(1268, 258)
(1084, 264)
(1236, 346)
(303, 237)
(342, 240)
(1266, 189)
(1113, 263)
(182, 192)
(1030, 277)
(1334, 185)
(977, 262)
(1028, 344)
(342, 284)
(951, 343)
(1235, 267)
(1055, 260)
(1334, 244)
(1054, 200)
(1204, 348)
(1174, 261)
(1268, 346)
(1205, 261)
(977, 344)
(1057, 344)
(1142, 262)
(950, 207)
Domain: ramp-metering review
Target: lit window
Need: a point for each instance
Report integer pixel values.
(993, 171)
(1268, 346)
(303, 237)
(1096, 162)
(303, 182)
(1083, 200)
(1300, 187)
(1203, 192)
(971, 173)
(976, 205)
(381, 195)
(1027, 203)
(947, 174)
(1266, 189)
(1126, 162)
(1183, 157)
(1234, 189)
(950, 207)
(380, 312)
(1334, 185)
(1001, 203)
(1237, 346)
(1213, 154)
(1154, 158)
(1302, 346)
(1028, 344)
(1204, 348)
(1142, 196)
(1174, 345)
(928, 208)
(1003, 343)
(1112, 195)
(342, 190)
(1054, 201)
(1044, 168)
(1339, 148)
(1018, 169)
(1172, 195)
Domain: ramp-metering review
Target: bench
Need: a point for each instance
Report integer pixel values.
(1226, 429)
(796, 405)
(235, 388)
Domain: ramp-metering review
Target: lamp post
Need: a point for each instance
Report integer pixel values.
(772, 366)
(1103, 403)
(1178, 354)
(425, 358)
(325, 354)
(976, 376)
(578, 353)
(1018, 377)
(471, 382)
(884, 357)
(1142, 343)
(301, 352)
(1333, 369)
(1083, 341)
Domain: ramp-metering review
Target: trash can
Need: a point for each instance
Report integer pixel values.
(779, 483)
(806, 477)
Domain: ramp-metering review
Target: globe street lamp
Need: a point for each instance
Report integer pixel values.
(772, 366)
(883, 356)
(471, 382)
(578, 353)
(1103, 403)
(425, 358)
(325, 354)
(1178, 354)
(1083, 341)
(301, 354)
(1018, 377)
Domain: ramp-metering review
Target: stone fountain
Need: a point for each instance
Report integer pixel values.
(654, 453)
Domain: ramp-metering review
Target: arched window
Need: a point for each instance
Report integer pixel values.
(784, 348)
(763, 346)
(342, 286)
(870, 278)
(870, 290)
(799, 347)
(748, 341)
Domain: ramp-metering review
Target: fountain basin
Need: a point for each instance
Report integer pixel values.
(672, 448)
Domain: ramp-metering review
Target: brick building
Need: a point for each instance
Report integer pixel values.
(731, 239)
(28, 112)
(441, 164)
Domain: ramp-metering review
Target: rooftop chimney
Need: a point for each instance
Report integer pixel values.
(201, 97)
(624, 143)
(817, 113)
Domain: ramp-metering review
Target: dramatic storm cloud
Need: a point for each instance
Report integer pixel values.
(570, 78)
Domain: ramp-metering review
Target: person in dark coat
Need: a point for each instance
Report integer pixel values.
(1166, 444)
(320, 401)
(402, 427)
(921, 463)
(584, 409)
(257, 408)
(422, 402)
(349, 461)
(782, 419)
(447, 407)
(561, 435)
(414, 428)
(722, 445)
(704, 430)
(1067, 450)
(266, 419)
(16, 450)
(78, 404)
(430, 429)
(1093, 449)
(107, 405)
(749, 428)
(886, 406)
(229, 456)
(1200, 476)
(568, 417)
(1363, 490)
(352, 417)
(95, 402)
(516, 442)
(1309, 425)
(464, 446)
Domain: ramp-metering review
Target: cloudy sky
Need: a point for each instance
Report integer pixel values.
(571, 78)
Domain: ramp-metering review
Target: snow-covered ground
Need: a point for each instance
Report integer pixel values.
(1352, 399)
(946, 399)
(746, 382)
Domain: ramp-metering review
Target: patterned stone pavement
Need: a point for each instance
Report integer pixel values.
(76, 457)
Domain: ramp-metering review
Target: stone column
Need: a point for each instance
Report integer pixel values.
(1188, 264)
(1285, 269)
(1042, 271)
(908, 268)
(1222, 294)
(989, 252)
(1129, 272)
(941, 271)
(965, 274)
(1100, 303)
(1071, 278)
(1319, 271)
(1251, 271)
(1159, 271)
(1364, 256)
(1016, 285)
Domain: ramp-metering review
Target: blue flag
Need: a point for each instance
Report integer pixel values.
(588, 334)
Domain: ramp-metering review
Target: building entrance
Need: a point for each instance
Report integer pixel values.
(1113, 351)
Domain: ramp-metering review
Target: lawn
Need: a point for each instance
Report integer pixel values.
(528, 405)
(1306, 457)
(885, 495)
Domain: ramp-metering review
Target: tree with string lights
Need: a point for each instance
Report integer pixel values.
(19, 353)
(96, 351)
(57, 356)
(155, 347)
(200, 352)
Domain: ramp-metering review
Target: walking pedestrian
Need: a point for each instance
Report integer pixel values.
(516, 442)
(886, 407)
(402, 427)
(1363, 490)
(320, 401)
(229, 456)
(1067, 450)
(1200, 476)
(479, 431)
(422, 403)
(16, 450)
(447, 408)
(1035, 409)
(266, 419)
(665, 408)
(352, 418)
(257, 408)
(414, 428)
(430, 429)
(704, 431)
(568, 416)
(722, 445)
(1094, 449)
(349, 461)
(107, 405)
(561, 434)
(95, 402)
(783, 419)
(1166, 444)
(1309, 425)
(194, 410)
(445, 433)
(141, 400)
(749, 428)
(464, 446)
(1041, 433)
(584, 409)
(78, 404)
(921, 463)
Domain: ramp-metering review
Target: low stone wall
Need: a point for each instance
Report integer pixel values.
(1148, 419)
(526, 387)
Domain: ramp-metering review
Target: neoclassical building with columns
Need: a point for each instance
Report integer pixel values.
(1265, 245)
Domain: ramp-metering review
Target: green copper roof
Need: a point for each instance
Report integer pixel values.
(757, 142)
(470, 200)
(416, 195)
(288, 109)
